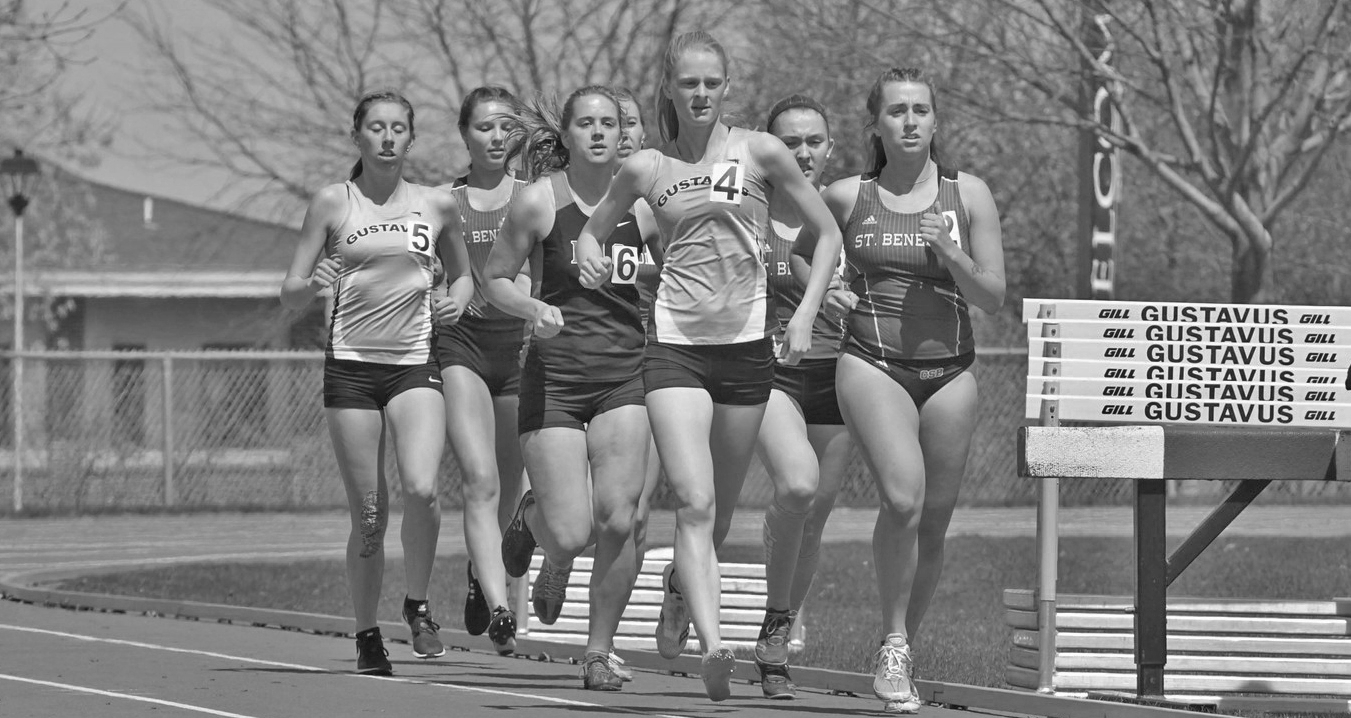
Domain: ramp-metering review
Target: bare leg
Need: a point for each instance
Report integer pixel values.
(417, 426)
(884, 422)
(471, 427)
(358, 442)
(617, 441)
(946, 424)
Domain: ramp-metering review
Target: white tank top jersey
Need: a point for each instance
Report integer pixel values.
(714, 221)
(382, 299)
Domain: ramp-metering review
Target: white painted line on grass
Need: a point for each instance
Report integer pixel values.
(114, 694)
(316, 669)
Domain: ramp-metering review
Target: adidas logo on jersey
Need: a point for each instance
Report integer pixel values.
(870, 220)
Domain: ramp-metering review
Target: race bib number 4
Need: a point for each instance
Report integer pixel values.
(728, 180)
(420, 240)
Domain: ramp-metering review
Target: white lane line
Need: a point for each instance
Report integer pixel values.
(114, 694)
(153, 646)
(316, 669)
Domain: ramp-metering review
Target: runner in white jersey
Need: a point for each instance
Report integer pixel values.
(922, 243)
(803, 443)
(480, 363)
(709, 362)
(393, 255)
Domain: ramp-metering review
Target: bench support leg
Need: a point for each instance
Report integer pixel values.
(1209, 529)
(1151, 587)
(1048, 547)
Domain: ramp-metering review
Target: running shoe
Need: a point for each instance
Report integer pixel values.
(891, 677)
(673, 623)
(598, 673)
(477, 615)
(372, 658)
(617, 666)
(716, 670)
(518, 543)
(426, 640)
(502, 630)
(775, 682)
(550, 591)
(772, 646)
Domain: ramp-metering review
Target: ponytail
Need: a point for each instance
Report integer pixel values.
(356, 171)
(537, 137)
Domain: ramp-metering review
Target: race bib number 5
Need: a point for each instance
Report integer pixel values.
(728, 180)
(420, 240)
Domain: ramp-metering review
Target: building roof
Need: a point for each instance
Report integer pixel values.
(150, 233)
(144, 245)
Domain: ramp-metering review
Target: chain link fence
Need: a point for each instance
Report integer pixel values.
(131, 431)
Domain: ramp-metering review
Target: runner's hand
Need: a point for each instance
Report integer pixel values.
(325, 273)
(548, 320)
(594, 272)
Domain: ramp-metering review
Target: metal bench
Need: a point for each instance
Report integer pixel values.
(743, 606)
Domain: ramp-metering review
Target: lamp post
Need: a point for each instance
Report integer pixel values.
(17, 175)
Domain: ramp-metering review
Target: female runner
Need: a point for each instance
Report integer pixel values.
(480, 363)
(803, 443)
(709, 362)
(583, 425)
(922, 242)
(375, 240)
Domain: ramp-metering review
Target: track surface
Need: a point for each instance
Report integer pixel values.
(61, 662)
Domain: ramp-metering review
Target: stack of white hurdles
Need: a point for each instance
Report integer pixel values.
(743, 606)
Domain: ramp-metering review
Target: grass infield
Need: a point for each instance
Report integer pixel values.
(964, 639)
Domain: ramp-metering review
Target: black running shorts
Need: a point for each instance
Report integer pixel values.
(733, 374)
(494, 355)
(366, 385)
(921, 378)
(547, 403)
(811, 384)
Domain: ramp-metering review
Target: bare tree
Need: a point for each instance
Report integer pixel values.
(269, 103)
(1233, 104)
(36, 49)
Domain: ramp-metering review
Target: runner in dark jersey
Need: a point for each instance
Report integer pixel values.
(583, 426)
(393, 256)
(480, 362)
(709, 362)
(922, 242)
(803, 443)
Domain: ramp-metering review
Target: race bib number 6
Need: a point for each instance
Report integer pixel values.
(728, 180)
(624, 260)
(420, 240)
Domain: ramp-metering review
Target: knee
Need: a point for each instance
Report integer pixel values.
(479, 487)
(903, 502)
(571, 541)
(796, 489)
(697, 509)
(420, 494)
(614, 524)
